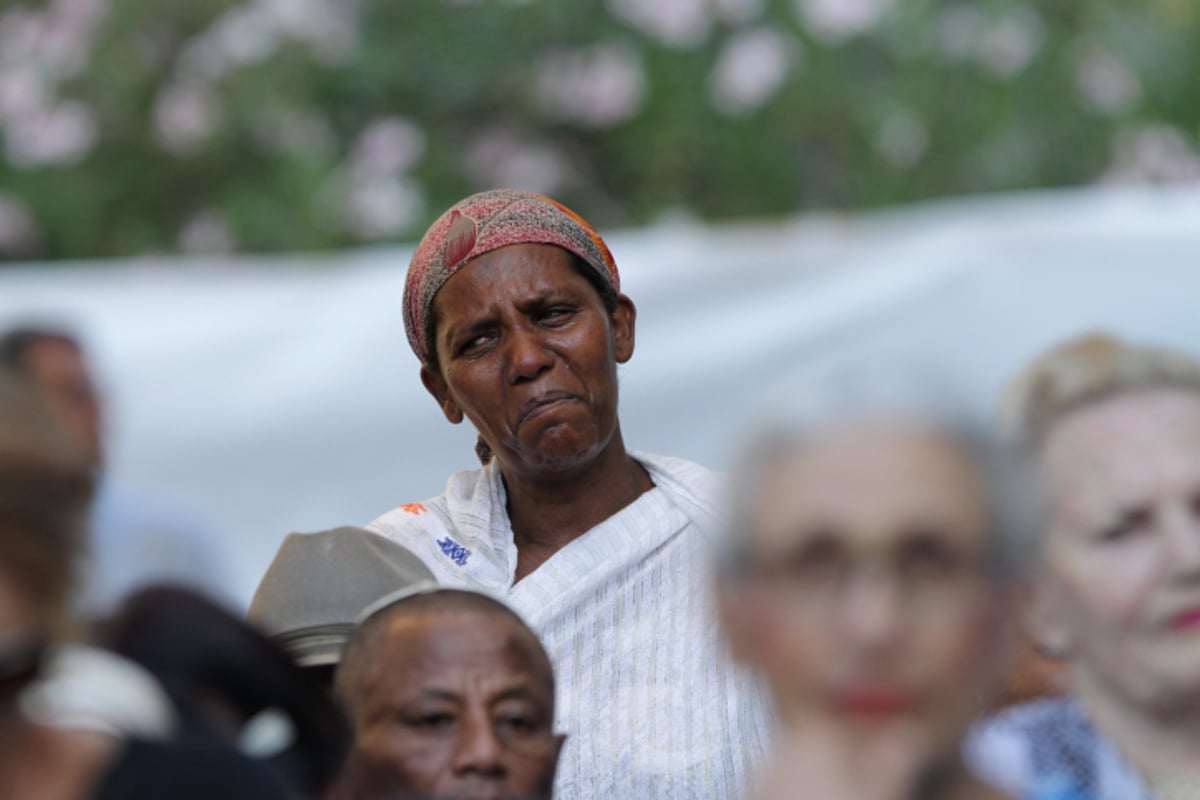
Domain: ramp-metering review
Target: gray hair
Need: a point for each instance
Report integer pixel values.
(801, 409)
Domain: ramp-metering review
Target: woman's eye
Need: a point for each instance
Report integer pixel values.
(820, 561)
(1130, 524)
(555, 315)
(930, 557)
(475, 346)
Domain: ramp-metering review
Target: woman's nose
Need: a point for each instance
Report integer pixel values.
(528, 355)
(1181, 529)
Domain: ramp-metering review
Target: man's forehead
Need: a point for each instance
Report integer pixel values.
(422, 635)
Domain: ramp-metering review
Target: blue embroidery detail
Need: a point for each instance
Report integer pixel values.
(454, 551)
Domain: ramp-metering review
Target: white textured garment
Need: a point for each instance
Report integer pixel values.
(652, 705)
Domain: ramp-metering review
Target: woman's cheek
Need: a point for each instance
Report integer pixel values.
(1132, 574)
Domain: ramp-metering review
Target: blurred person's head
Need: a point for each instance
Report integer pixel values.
(54, 360)
(1116, 427)
(45, 492)
(317, 587)
(875, 534)
(450, 695)
(227, 680)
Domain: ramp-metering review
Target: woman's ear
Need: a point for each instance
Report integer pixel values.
(624, 322)
(1046, 619)
(435, 384)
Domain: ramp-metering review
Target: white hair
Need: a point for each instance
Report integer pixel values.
(800, 409)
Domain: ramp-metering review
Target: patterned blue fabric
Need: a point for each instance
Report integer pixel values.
(1048, 750)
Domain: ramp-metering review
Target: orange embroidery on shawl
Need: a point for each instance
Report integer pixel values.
(414, 508)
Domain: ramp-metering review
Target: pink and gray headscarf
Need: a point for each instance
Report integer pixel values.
(488, 221)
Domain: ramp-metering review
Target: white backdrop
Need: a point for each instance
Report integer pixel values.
(279, 394)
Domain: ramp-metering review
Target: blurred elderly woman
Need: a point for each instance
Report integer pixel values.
(1117, 594)
(874, 540)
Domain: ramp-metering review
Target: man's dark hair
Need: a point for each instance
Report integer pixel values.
(360, 650)
(16, 343)
(200, 653)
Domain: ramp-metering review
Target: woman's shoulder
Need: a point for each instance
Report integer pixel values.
(468, 494)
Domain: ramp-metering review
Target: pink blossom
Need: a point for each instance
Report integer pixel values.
(184, 117)
(1105, 83)
(57, 136)
(838, 20)
(387, 146)
(751, 68)
(675, 23)
(597, 87)
(18, 230)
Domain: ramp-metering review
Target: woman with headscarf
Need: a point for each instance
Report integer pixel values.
(512, 304)
(869, 574)
(1116, 595)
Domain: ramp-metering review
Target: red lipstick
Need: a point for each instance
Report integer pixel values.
(1186, 620)
(874, 701)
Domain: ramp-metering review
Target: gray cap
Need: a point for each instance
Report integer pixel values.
(318, 585)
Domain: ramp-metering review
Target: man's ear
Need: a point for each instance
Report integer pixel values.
(624, 322)
(435, 384)
(1044, 614)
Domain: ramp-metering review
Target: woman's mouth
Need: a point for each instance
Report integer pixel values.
(1186, 620)
(536, 406)
(875, 700)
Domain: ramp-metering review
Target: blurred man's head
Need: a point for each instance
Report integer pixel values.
(54, 360)
(450, 695)
(45, 493)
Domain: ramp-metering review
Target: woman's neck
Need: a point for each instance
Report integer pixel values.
(546, 515)
(1160, 746)
(961, 785)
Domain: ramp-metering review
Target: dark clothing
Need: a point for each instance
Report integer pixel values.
(187, 770)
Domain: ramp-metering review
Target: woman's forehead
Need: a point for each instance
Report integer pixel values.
(873, 477)
(1126, 449)
(506, 274)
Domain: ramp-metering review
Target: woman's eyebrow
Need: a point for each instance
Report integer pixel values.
(470, 327)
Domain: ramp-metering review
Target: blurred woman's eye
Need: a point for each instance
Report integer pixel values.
(1195, 504)
(929, 555)
(818, 561)
(1128, 525)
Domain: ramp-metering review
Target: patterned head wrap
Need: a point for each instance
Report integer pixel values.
(488, 221)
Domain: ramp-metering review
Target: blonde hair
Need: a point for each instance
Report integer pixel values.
(1085, 370)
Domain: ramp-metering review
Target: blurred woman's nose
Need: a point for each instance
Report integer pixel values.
(871, 614)
(1181, 531)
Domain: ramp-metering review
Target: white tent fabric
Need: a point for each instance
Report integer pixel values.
(279, 394)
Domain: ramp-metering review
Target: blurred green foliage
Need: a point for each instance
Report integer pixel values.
(268, 125)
